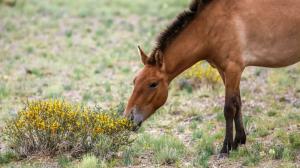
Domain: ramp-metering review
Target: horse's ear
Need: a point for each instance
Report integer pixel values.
(144, 57)
(159, 60)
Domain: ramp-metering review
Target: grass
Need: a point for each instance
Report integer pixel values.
(181, 129)
(193, 125)
(197, 134)
(167, 149)
(7, 157)
(204, 149)
(259, 152)
(89, 161)
(63, 161)
(128, 157)
(251, 156)
(294, 139)
(4, 91)
(85, 51)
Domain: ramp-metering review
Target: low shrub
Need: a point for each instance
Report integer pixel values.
(54, 127)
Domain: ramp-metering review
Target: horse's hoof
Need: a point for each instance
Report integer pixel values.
(227, 145)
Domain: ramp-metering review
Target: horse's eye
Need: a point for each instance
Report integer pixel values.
(153, 85)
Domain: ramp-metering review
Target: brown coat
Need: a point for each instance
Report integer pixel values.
(230, 35)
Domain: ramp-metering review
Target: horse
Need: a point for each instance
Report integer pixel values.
(230, 35)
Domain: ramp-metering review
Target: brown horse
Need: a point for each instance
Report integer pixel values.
(230, 35)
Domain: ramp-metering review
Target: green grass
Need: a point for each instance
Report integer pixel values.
(254, 155)
(294, 139)
(181, 129)
(193, 125)
(86, 51)
(128, 156)
(63, 161)
(197, 134)
(168, 149)
(249, 157)
(258, 153)
(89, 161)
(4, 91)
(204, 149)
(7, 157)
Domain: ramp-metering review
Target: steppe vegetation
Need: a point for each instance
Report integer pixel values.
(85, 51)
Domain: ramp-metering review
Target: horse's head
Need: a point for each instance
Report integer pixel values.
(150, 88)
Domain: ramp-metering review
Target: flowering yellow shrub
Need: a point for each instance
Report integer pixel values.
(203, 72)
(55, 126)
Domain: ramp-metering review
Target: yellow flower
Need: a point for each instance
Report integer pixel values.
(98, 130)
(54, 127)
(20, 123)
(41, 125)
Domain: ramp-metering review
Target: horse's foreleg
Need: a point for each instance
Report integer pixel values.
(232, 106)
(240, 136)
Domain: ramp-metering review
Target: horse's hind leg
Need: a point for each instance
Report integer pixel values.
(232, 106)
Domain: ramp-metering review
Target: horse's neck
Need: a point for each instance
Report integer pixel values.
(186, 50)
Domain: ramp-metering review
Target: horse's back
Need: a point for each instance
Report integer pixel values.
(268, 31)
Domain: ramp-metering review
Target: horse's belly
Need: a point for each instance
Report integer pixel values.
(271, 58)
(277, 50)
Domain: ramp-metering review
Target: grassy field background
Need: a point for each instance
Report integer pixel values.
(86, 51)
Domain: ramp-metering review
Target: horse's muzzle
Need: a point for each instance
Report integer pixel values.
(136, 126)
(136, 117)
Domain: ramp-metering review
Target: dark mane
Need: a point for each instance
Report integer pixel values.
(181, 22)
